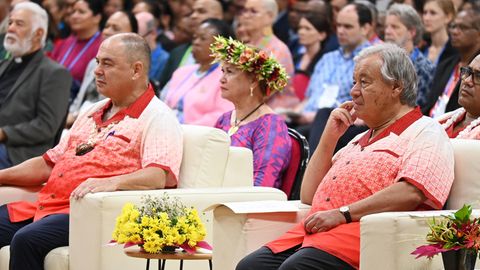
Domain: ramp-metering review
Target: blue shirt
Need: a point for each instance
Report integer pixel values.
(425, 71)
(158, 60)
(334, 68)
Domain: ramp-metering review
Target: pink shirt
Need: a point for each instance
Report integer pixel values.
(286, 98)
(76, 54)
(200, 94)
(142, 135)
(413, 149)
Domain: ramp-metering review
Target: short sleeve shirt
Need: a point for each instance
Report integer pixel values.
(413, 149)
(143, 135)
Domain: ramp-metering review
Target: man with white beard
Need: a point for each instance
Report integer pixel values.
(34, 90)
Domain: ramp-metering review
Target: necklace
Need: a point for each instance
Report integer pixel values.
(464, 133)
(233, 129)
(95, 134)
(454, 118)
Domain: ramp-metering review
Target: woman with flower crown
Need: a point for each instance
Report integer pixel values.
(464, 123)
(249, 78)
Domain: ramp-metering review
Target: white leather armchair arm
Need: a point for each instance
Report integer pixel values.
(238, 234)
(92, 222)
(387, 239)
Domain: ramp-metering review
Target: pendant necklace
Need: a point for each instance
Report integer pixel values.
(89, 145)
(233, 129)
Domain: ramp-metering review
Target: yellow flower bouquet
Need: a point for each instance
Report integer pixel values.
(160, 224)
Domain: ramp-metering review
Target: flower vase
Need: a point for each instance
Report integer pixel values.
(462, 259)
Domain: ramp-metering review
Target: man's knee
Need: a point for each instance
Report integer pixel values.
(21, 239)
(245, 264)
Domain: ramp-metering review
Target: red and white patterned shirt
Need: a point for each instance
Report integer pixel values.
(414, 149)
(145, 134)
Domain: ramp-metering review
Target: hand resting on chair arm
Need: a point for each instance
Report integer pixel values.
(401, 196)
(143, 179)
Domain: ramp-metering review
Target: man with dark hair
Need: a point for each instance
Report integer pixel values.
(129, 141)
(465, 37)
(332, 78)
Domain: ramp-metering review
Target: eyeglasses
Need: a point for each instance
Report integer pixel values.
(461, 27)
(466, 72)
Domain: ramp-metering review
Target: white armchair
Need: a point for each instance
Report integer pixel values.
(212, 172)
(387, 239)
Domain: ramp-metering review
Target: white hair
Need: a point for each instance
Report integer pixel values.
(271, 6)
(39, 17)
(396, 67)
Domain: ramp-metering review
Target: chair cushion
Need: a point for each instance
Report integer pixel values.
(290, 174)
(57, 259)
(466, 186)
(205, 153)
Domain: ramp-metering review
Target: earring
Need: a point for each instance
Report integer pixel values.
(251, 91)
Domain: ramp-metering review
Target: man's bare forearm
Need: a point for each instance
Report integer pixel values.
(147, 178)
(32, 172)
(401, 196)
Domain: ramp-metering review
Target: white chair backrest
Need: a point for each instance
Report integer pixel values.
(205, 154)
(466, 186)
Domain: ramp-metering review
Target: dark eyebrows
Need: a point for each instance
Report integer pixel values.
(104, 60)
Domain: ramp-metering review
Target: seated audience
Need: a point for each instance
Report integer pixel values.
(58, 10)
(34, 90)
(297, 10)
(257, 19)
(249, 78)
(129, 141)
(112, 6)
(465, 38)
(464, 123)
(182, 55)
(194, 91)
(119, 22)
(81, 46)
(148, 30)
(377, 171)
(372, 36)
(313, 32)
(437, 15)
(403, 26)
(332, 77)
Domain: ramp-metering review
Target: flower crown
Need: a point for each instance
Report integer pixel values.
(265, 67)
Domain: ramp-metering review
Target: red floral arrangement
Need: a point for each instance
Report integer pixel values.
(454, 232)
(265, 67)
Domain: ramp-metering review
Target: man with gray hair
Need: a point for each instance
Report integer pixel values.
(403, 26)
(33, 89)
(404, 162)
(131, 140)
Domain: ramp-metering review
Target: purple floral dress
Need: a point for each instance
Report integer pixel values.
(270, 143)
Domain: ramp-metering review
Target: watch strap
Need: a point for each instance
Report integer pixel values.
(346, 214)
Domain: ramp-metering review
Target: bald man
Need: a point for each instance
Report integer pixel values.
(130, 141)
(205, 9)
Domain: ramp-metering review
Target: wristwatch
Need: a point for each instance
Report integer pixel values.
(345, 210)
